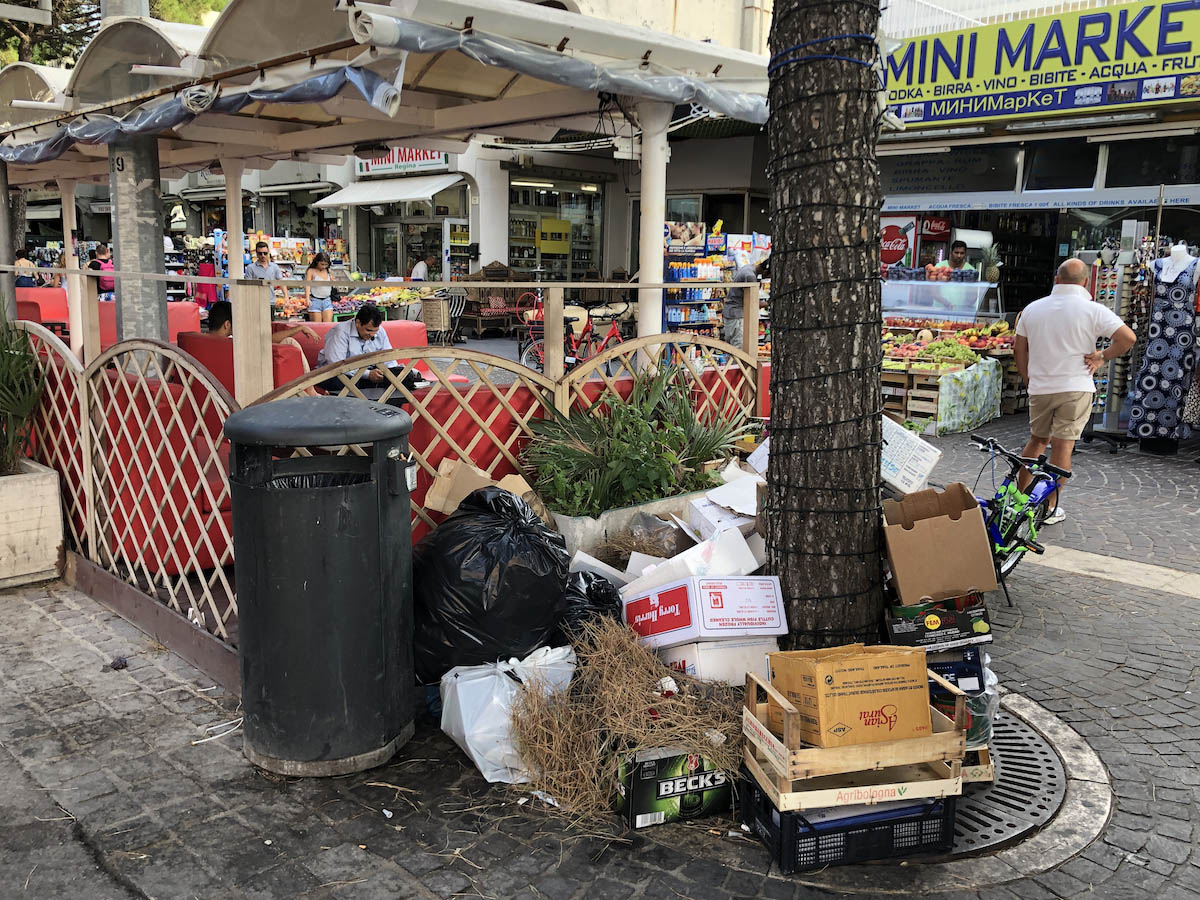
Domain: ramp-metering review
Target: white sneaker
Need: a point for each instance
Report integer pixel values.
(1055, 517)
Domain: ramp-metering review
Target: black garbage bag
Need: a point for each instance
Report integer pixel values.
(489, 583)
(590, 596)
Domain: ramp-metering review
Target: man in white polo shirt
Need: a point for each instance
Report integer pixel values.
(1056, 354)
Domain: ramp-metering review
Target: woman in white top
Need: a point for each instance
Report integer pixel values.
(319, 297)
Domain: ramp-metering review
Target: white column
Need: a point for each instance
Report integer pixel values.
(653, 117)
(233, 169)
(72, 283)
(351, 214)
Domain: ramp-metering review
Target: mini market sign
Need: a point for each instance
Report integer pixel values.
(1091, 62)
(404, 161)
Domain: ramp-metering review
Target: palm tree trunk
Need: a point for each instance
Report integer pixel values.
(822, 508)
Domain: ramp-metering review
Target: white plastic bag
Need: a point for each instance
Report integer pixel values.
(477, 703)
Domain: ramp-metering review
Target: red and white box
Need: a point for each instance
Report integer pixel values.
(705, 609)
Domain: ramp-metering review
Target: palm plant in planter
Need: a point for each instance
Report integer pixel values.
(21, 383)
(619, 453)
(30, 516)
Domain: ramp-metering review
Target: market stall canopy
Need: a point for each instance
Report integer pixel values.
(430, 75)
(390, 190)
(42, 87)
(105, 71)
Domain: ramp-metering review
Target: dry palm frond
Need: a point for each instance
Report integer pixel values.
(573, 741)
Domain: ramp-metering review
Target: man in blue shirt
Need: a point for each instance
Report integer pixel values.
(362, 334)
(263, 267)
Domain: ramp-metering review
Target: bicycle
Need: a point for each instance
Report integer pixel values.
(1013, 516)
(577, 347)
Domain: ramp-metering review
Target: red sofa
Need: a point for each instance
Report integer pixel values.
(400, 334)
(215, 353)
(182, 316)
(51, 304)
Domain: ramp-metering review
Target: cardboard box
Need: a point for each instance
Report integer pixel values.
(725, 555)
(963, 667)
(701, 609)
(854, 694)
(658, 786)
(937, 545)
(942, 624)
(906, 460)
(726, 661)
(708, 518)
(456, 480)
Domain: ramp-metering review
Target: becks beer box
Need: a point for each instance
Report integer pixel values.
(704, 609)
(658, 786)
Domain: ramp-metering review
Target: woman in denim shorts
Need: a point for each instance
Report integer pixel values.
(320, 298)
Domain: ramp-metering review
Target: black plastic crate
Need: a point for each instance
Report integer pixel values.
(799, 846)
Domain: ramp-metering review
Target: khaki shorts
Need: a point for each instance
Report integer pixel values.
(1062, 416)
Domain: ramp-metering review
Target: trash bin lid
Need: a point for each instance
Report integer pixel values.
(316, 422)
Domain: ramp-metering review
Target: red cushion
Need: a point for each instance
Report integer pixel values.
(181, 316)
(51, 301)
(215, 353)
(29, 311)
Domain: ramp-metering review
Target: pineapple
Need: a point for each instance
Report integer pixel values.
(990, 264)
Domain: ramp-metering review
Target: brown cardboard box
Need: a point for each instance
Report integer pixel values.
(937, 545)
(456, 480)
(854, 694)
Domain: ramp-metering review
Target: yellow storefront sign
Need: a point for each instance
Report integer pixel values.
(1091, 62)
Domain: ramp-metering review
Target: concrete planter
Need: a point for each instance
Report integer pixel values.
(588, 534)
(31, 526)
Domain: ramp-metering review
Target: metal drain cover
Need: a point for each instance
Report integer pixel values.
(1028, 790)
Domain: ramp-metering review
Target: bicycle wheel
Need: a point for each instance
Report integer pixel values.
(534, 355)
(1017, 535)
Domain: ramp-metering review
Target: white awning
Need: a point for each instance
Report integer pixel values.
(390, 190)
(43, 212)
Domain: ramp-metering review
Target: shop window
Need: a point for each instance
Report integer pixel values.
(760, 214)
(1153, 161)
(962, 170)
(679, 209)
(729, 208)
(1060, 165)
(555, 228)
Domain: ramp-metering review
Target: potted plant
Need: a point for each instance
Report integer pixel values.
(598, 468)
(31, 530)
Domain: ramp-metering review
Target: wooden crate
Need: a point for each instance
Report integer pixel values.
(435, 313)
(799, 777)
(980, 770)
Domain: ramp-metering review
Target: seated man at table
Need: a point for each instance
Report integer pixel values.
(220, 321)
(362, 334)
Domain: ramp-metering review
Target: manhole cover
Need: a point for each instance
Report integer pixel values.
(1028, 790)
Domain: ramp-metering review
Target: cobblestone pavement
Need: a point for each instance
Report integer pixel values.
(177, 819)
(1130, 504)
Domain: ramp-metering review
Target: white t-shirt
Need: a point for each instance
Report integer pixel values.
(420, 272)
(1061, 330)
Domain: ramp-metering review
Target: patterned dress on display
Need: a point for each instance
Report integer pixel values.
(1158, 393)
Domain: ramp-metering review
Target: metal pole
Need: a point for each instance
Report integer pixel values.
(8, 290)
(1158, 222)
(653, 117)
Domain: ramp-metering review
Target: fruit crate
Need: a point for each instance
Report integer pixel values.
(978, 766)
(894, 384)
(799, 844)
(799, 777)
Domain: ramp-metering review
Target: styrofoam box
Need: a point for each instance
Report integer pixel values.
(727, 661)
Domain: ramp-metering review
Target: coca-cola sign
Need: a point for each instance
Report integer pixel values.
(935, 228)
(895, 242)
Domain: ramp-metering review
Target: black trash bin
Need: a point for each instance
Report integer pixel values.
(323, 556)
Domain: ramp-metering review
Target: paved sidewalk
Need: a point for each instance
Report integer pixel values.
(1129, 505)
(177, 819)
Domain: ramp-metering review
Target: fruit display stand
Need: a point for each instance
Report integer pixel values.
(798, 777)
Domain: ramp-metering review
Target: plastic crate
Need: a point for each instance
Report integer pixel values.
(798, 845)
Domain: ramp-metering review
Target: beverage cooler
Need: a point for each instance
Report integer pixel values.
(933, 240)
(456, 255)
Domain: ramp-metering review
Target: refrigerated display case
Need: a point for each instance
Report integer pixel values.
(933, 240)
